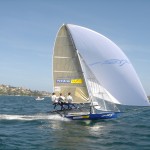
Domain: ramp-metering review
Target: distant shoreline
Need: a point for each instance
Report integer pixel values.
(8, 90)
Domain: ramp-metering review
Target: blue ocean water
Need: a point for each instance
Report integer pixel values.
(26, 125)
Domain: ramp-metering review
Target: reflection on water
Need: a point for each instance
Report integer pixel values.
(75, 134)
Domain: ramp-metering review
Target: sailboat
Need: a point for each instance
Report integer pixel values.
(39, 98)
(96, 72)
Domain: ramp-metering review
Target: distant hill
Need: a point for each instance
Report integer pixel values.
(11, 90)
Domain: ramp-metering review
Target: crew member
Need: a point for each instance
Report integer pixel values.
(54, 100)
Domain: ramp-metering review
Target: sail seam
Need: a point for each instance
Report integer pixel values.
(61, 57)
(65, 71)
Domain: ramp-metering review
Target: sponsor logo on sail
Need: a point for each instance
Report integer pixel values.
(119, 62)
(76, 81)
(63, 81)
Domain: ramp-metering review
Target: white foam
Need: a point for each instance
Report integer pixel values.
(32, 117)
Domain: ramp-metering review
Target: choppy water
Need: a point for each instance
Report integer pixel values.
(26, 125)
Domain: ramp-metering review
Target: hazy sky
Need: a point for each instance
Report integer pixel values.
(28, 29)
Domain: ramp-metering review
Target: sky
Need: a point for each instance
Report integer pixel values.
(28, 30)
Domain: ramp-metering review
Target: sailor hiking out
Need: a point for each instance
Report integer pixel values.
(62, 101)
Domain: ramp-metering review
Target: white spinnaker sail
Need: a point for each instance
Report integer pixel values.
(110, 65)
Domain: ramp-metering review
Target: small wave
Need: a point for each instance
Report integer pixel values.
(32, 117)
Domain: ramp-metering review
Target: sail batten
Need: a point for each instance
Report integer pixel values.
(63, 57)
(65, 71)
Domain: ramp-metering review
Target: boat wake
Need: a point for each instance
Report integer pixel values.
(32, 117)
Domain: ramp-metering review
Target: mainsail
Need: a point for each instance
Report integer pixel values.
(67, 72)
